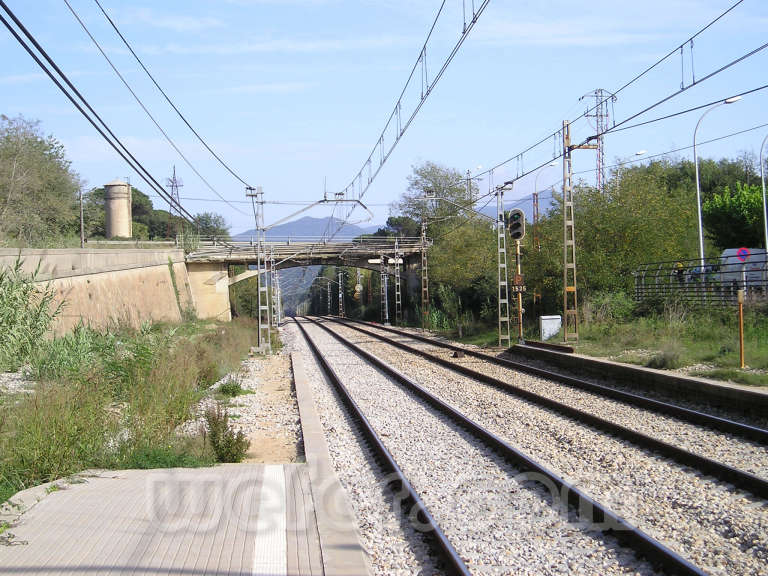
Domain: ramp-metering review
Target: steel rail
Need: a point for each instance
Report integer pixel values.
(443, 547)
(588, 509)
(739, 478)
(693, 416)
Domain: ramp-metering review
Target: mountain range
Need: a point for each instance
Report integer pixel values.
(309, 227)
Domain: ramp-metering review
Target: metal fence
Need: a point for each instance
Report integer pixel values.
(715, 284)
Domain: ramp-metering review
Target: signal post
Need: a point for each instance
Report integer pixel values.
(516, 227)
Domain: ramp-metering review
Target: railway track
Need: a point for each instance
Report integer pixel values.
(680, 412)
(496, 476)
(670, 448)
(700, 517)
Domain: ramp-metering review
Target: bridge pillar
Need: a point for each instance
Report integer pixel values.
(210, 290)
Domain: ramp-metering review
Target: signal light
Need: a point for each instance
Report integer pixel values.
(516, 224)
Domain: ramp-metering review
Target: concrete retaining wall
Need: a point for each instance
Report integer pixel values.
(104, 287)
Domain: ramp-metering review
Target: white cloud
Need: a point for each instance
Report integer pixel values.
(175, 22)
(265, 88)
(582, 33)
(21, 79)
(282, 45)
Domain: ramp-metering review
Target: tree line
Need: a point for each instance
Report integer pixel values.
(40, 193)
(645, 213)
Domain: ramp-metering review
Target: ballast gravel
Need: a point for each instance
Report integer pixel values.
(722, 530)
(497, 521)
(393, 546)
(727, 448)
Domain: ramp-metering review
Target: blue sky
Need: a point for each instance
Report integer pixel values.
(294, 93)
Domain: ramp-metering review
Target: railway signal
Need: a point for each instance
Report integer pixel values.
(516, 224)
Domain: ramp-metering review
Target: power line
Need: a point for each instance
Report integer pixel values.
(674, 51)
(146, 111)
(167, 98)
(677, 93)
(554, 134)
(396, 115)
(686, 111)
(112, 139)
(527, 197)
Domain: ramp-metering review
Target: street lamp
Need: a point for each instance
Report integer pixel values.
(698, 185)
(765, 207)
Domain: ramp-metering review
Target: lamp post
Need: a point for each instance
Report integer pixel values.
(698, 185)
(765, 206)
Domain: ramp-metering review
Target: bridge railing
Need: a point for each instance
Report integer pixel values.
(715, 284)
(218, 248)
(296, 239)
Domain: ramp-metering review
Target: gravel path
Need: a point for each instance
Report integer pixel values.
(394, 547)
(498, 523)
(722, 447)
(720, 529)
(269, 415)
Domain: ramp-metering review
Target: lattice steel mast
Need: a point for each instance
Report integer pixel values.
(601, 115)
(501, 234)
(262, 268)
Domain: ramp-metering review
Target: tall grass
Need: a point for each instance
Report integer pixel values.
(115, 399)
(26, 314)
(671, 335)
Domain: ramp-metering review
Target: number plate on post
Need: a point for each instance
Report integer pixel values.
(518, 289)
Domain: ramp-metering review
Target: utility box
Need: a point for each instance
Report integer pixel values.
(549, 326)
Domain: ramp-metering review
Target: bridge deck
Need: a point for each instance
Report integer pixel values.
(304, 250)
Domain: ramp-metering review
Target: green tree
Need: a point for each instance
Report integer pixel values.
(447, 187)
(733, 218)
(212, 224)
(400, 226)
(38, 189)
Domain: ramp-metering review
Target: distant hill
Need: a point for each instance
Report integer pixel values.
(310, 227)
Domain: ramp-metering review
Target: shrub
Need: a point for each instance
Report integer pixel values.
(667, 358)
(232, 388)
(610, 306)
(116, 399)
(227, 445)
(26, 315)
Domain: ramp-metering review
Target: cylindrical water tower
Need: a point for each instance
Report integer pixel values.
(117, 203)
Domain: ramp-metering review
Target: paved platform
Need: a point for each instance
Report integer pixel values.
(232, 519)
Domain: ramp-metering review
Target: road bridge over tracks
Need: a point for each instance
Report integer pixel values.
(295, 251)
(209, 261)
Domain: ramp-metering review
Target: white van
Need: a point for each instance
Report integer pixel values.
(744, 270)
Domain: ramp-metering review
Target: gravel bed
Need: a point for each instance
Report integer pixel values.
(718, 528)
(499, 523)
(722, 447)
(753, 419)
(261, 411)
(393, 546)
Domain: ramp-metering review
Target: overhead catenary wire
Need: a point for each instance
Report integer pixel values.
(147, 112)
(557, 132)
(168, 99)
(104, 129)
(545, 194)
(671, 53)
(427, 88)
